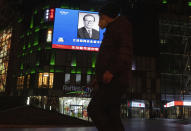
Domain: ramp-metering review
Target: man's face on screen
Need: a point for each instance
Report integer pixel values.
(89, 22)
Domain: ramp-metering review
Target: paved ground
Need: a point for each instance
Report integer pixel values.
(130, 125)
(27, 118)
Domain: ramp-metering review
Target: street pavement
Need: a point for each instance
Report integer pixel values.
(130, 125)
(26, 118)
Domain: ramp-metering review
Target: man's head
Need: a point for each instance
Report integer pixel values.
(89, 21)
(108, 13)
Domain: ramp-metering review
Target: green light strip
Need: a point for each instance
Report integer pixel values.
(20, 20)
(52, 60)
(45, 7)
(52, 70)
(164, 1)
(39, 49)
(59, 70)
(48, 47)
(33, 71)
(35, 12)
(28, 33)
(92, 9)
(78, 71)
(37, 63)
(74, 62)
(189, 3)
(35, 43)
(22, 67)
(24, 47)
(73, 71)
(76, 92)
(29, 45)
(36, 39)
(37, 29)
(64, 6)
(89, 72)
(22, 36)
(32, 22)
(93, 61)
(42, 21)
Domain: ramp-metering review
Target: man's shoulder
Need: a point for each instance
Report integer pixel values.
(121, 24)
(123, 20)
(82, 28)
(95, 30)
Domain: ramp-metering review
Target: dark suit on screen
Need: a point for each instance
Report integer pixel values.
(82, 33)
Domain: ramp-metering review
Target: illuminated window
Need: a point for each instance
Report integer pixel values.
(49, 36)
(88, 79)
(28, 81)
(2, 83)
(51, 80)
(40, 80)
(20, 82)
(45, 80)
(133, 66)
(5, 44)
(163, 41)
(78, 78)
(67, 78)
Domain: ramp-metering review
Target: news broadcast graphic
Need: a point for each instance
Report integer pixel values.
(71, 30)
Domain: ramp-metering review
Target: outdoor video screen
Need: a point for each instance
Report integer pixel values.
(76, 30)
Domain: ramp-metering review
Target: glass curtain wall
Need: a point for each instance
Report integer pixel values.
(5, 43)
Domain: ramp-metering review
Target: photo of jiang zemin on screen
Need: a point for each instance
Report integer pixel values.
(88, 26)
(76, 30)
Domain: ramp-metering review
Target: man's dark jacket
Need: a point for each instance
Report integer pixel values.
(82, 33)
(115, 53)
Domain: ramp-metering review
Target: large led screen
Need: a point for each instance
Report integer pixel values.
(76, 30)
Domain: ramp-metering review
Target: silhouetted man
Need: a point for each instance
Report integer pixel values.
(87, 32)
(113, 70)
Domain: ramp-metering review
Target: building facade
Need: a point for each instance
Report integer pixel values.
(174, 25)
(51, 78)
